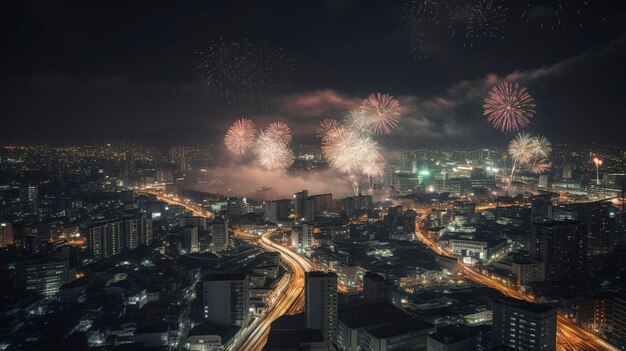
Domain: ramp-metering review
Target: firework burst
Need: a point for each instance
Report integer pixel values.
(530, 153)
(271, 153)
(242, 72)
(279, 131)
(483, 19)
(383, 112)
(556, 14)
(240, 136)
(509, 107)
(327, 126)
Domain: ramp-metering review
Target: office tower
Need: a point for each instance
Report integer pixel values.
(42, 276)
(320, 296)
(236, 207)
(6, 233)
(302, 237)
(190, 242)
(219, 234)
(373, 288)
(299, 203)
(180, 156)
(277, 210)
(523, 325)
(317, 205)
(562, 247)
(453, 338)
(226, 298)
(104, 239)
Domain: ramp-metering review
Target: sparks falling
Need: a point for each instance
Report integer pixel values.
(509, 107)
(382, 112)
(240, 136)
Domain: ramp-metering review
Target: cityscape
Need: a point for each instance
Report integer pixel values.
(249, 175)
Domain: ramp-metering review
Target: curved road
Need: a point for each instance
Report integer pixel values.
(289, 292)
(569, 335)
(287, 297)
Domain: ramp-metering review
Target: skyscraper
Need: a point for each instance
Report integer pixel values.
(523, 325)
(219, 234)
(190, 241)
(320, 294)
(299, 206)
(226, 298)
(302, 237)
(562, 247)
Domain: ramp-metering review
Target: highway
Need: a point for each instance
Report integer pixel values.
(288, 295)
(570, 337)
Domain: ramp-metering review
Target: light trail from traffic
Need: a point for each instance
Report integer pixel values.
(570, 337)
(289, 290)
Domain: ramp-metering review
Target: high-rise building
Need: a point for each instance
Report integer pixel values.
(277, 210)
(109, 237)
(299, 203)
(316, 205)
(562, 247)
(522, 325)
(219, 234)
(104, 239)
(6, 233)
(352, 204)
(226, 298)
(190, 243)
(42, 276)
(618, 335)
(236, 207)
(302, 237)
(29, 194)
(320, 296)
(595, 312)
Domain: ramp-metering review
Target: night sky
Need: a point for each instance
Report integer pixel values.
(75, 71)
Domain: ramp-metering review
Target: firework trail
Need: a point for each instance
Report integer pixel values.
(240, 136)
(242, 72)
(477, 20)
(509, 107)
(279, 131)
(383, 112)
(272, 153)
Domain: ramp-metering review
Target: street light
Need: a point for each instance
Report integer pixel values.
(598, 162)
